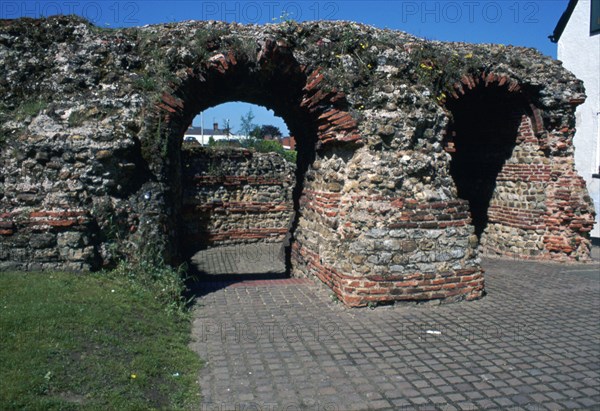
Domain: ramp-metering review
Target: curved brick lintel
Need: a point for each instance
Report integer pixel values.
(334, 125)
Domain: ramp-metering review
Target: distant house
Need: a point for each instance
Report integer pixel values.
(203, 136)
(578, 36)
(288, 143)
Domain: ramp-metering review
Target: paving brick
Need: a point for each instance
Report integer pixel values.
(495, 369)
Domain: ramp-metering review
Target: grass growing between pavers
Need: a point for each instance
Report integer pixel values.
(90, 341)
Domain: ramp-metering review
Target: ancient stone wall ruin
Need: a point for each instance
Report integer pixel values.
(413, 156)
(234, 196)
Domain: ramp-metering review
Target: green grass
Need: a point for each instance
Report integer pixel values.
(89, 341)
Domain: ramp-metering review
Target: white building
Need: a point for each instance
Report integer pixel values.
(578, 36)
(203, 135)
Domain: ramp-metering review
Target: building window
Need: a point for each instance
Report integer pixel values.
(595, 17)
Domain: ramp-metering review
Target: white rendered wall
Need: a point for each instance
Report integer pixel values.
(204, 139)
(580, 54)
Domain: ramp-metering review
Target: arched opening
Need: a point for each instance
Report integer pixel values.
(264, 73)
(252, 202)
(488, 122)
(316, 116)
(238, 177)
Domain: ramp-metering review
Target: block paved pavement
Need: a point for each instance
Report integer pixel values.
(533, 343)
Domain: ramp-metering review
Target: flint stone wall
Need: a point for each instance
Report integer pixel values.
(92, 120)
(235, 196)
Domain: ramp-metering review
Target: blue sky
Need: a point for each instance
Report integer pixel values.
(516, 22)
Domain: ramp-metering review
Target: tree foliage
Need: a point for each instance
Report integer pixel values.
(256, 133)
(247, 123)
(270, 130)
(273, 146)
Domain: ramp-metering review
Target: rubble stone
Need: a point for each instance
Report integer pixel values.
(399, 186)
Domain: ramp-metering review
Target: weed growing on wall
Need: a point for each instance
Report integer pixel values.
(30, 108)
(244, 48)
(22, 113)
(155, 144)
(158, 70)
(354, 61)
(440, 69)
(206, 41)
(146, 82)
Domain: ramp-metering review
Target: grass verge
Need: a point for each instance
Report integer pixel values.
(91, 341)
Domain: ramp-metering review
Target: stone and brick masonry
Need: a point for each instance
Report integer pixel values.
(235, 196)
(414, 157)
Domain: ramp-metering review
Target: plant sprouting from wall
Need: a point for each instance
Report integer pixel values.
(206, 41)
(155, 143)
(158, 70)
(245, 48)
(30, 108)
(354, 61)
(161, 142)
(22, 113)
(439, 69)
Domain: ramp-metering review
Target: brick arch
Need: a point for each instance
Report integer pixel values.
(518, 208)
(317, 116)
(511, 86)
(272, 78)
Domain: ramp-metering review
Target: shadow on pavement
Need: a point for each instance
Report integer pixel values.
(213, 269)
